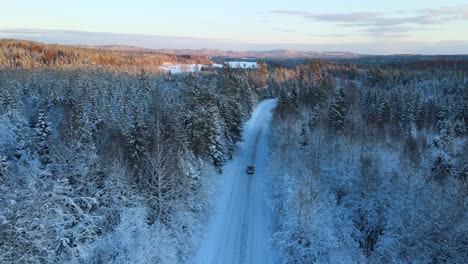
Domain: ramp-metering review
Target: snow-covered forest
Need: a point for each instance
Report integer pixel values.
(106, 159)
(370, 165)
(101, 165)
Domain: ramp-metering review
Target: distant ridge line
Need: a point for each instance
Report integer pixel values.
(259, 54)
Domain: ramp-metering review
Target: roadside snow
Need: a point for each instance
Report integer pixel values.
(240, 229)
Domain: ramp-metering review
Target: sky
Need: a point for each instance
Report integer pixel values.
(363, 26)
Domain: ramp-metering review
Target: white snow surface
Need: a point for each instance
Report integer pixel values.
(243, 64)
(240, 229)
(180, 68)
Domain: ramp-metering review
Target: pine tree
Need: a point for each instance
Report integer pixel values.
(288, 100)
(384, 113)
(66, 215)
(230, 107)
(427, 115)
(144, 83)
(442, 120)
(305, 135)
(353, 71)
(216, 148)
(375, 76)
(408, 118)
(370, 106)
(203, 122)
(136, 142)
(43, 133)
(441, 168)
(208, 134)
(8, 101)
(337, 111)
(460, 124)
(443, 146)
(3, 168)
(124, 115)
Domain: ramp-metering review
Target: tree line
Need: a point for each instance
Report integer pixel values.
(28, 54)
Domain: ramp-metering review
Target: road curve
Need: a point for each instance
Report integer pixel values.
(240, 229)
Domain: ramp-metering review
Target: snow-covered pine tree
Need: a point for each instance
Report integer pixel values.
(204, 125)
(67, 217)
(304, 136)
(144, 83)
(442, 120)
(3, 168)
(288, 100)
(43, 132)
(375, 76)
(7, 100)
(216, 149)
(408, 117)
(124, 114)
(337, 111)
(136, 141)
(209, 134)
(230, 107)
(460, 124)
(384, 113)
(443, 148)
(427, 115)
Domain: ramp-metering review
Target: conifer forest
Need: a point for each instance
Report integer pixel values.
(107, 158)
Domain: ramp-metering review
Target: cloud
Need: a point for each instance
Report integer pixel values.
(72, 37)
(344, 17)
(284, 30)
(374, 22)
(394, 31)
(289, 12)
(328, 35)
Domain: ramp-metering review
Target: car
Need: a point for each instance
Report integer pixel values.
(250, 169)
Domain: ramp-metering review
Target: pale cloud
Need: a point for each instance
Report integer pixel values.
(399, 31)
(285, 30)
(378, 23)
(290, 12)
(72, 37)
(364, 17)
(328, 35)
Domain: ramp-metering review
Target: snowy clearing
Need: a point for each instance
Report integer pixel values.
(243, 64)
(180, 68)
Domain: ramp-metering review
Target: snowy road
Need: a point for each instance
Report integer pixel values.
(239, 231)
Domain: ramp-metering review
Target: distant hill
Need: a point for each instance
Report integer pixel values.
(28, 54)
(269, 54)
(296, 56)
(120, 48)
(212, 53)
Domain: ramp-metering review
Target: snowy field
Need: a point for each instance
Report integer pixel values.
(243, 64)
(180, 68)
(240, 229)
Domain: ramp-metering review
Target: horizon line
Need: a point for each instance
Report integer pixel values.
(156, 42)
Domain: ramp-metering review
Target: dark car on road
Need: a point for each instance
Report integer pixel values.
(250, 169)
